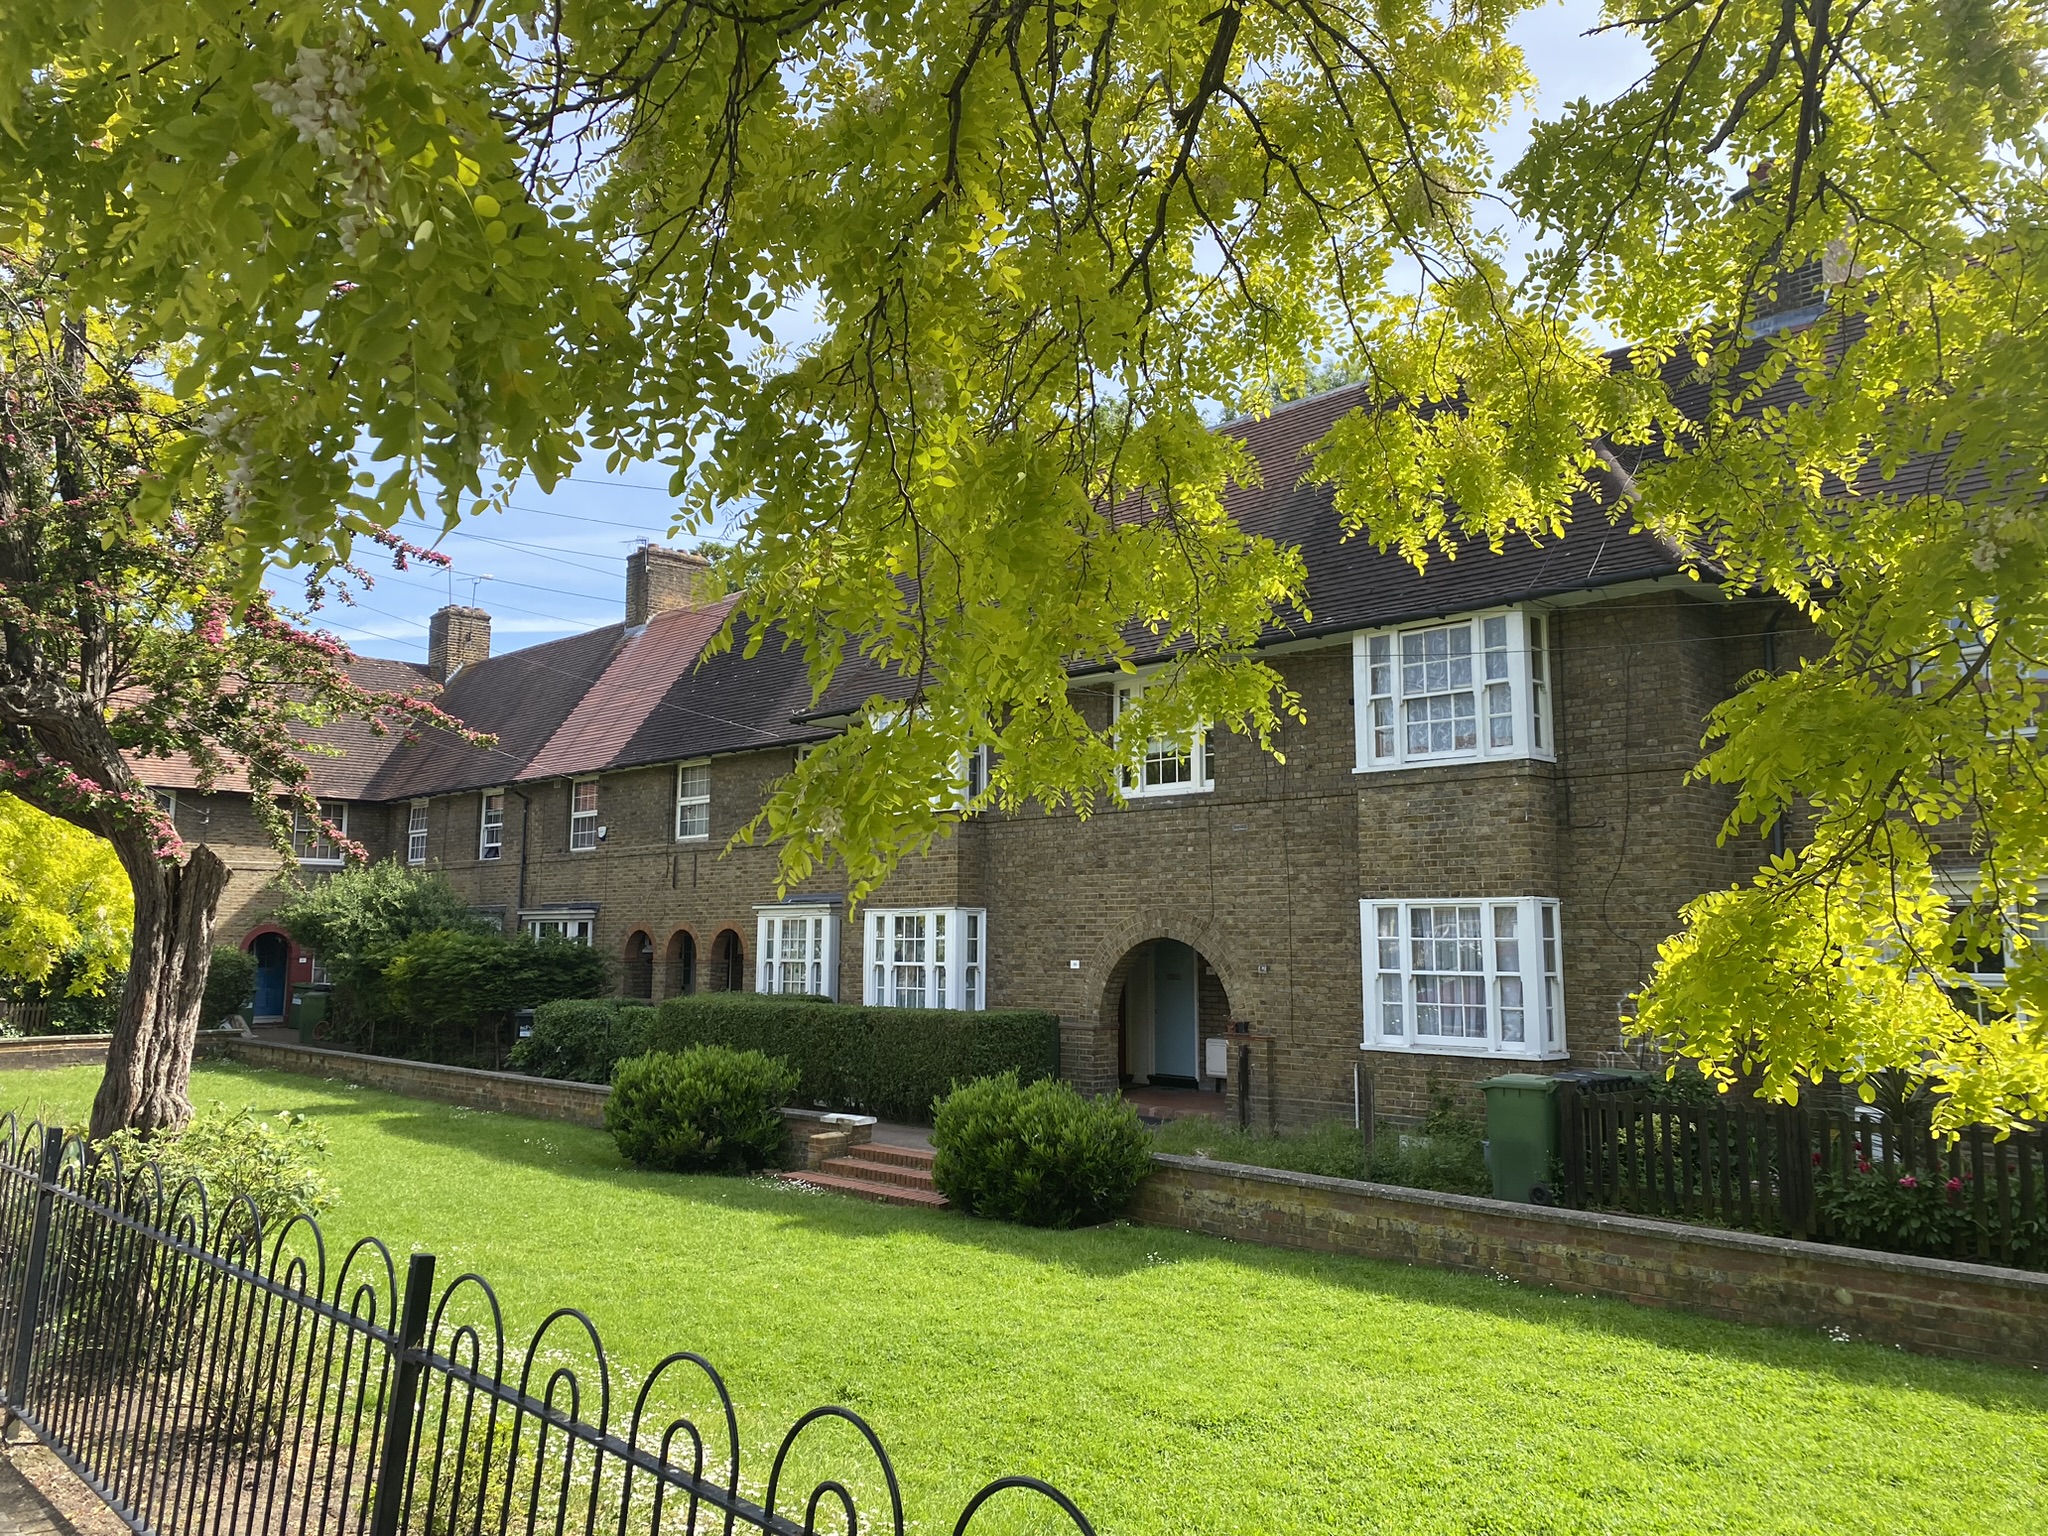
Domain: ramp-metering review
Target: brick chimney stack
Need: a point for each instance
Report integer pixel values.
(456, 637)
(658, 579)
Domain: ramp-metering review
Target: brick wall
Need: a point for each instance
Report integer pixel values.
(1928, 1305)
(1262, 876)
(36, 1053)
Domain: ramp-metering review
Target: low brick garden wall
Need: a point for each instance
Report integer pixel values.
(1931, 1306)
(813, 1134)
(37, 1053)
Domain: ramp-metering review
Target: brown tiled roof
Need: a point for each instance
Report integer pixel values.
(356, 752)
(521, 698)
(611, 698)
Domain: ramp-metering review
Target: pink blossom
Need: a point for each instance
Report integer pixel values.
(1909, 1182)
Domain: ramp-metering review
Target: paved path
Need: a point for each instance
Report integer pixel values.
(40, 1497)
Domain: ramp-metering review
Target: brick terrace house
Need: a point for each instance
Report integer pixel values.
(1464, 866)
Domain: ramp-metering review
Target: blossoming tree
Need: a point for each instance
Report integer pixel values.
(126, 640)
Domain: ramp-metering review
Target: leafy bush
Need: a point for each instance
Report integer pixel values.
(230, 983)
(274, 1162)
(704, 1110)
(892, 1062)
(581, 1040)
(1037, 1153)
(450, 984)
(1929, 1214)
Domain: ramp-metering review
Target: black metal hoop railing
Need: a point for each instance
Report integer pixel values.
(205, 1378)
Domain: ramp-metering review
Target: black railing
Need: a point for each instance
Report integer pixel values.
(1835, 1175)
(205, 1378)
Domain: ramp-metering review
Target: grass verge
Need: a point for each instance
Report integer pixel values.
(1174, 1383)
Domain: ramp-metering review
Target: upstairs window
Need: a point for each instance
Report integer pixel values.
(973, 770)
(310, 841)
(693, 801)
(490, 837)
(1470, 977)
(166, 801)
(926, 958)
(798, 949)
(582, 815)
(1171, 766)
(416, 833)
(1462, 691)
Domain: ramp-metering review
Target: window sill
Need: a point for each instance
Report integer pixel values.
(695, 837)
(1131, 796)
(1460, 760)
(1477, 1051)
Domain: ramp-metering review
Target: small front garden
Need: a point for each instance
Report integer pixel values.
(1173, 1383)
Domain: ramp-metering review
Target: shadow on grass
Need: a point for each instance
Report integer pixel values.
(576, 1152)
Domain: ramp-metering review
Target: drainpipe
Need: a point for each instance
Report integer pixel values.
(1771, 666)
(525, 827)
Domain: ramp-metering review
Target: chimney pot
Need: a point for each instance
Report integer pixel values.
(456, 637)
(658, 579)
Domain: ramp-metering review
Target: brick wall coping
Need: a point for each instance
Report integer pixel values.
(34, 1052)
(1614, 1223)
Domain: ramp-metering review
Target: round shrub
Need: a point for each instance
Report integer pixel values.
(704, 1110)
(1039, 1154)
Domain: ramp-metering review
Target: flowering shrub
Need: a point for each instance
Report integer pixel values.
(1927, 1214)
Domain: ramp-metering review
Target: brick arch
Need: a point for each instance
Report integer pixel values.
(1112, 959)
(639, 969)
(669, 959)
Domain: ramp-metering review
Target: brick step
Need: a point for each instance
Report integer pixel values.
(900, 1157)
(898, 1174)
(887, 1194)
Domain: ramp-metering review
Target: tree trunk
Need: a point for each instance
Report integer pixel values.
(149, 1062)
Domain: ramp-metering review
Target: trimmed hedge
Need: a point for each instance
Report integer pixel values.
(891, 1062)
(581, 1040)
(704, 1110)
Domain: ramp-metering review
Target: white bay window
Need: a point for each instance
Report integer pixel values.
(1462, 690)
(1469, 976)
(926, 958)
(798, 951)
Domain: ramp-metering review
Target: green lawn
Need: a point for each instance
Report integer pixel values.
(1171, 1383)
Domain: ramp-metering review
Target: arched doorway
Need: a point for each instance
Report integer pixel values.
(682, 964)
(728, 963)
(272, 952)
(640, 966)
(1170, 999)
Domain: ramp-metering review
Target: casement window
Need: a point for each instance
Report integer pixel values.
(582, 815)
(166, 801)
(693, 801)
(416, 833)
(1461, 691)
(310, 842)
(926, 958)
(973, 774)
(1171, 766)
(1467, 976)
(490, 837)
(575, 926)
(798, 950)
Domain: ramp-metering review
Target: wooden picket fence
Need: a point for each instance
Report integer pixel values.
(1777, 1169)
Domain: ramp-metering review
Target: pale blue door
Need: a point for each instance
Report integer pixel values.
(1174, 1034)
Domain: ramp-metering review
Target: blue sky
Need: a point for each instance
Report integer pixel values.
(555, 564)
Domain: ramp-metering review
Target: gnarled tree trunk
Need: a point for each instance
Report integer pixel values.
(149, 1062)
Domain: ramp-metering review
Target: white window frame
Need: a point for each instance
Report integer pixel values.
(576, 924)
(1149, 778)
(166, 801)
(308, 842)
(489, 848)
(416, 832)
(972, 770)
(1510, 684)
(1510, 947)
(796, 949)
(691, 800)
(925, 957)
(583, 827)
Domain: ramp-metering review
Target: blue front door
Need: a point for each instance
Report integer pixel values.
(271, 953)
(1174, 1033)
